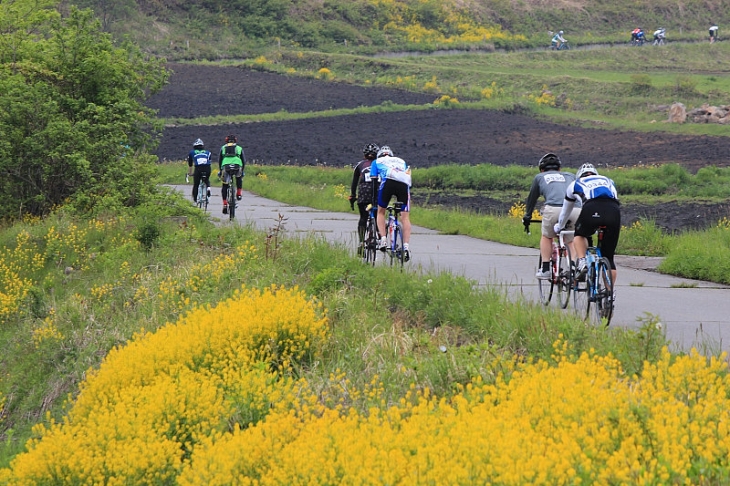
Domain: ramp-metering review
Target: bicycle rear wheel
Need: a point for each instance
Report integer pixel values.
(203, 196)
(565, 277)
(397, 254)
(603, 305)
(545, 287)
(231, 202)
(371, 243)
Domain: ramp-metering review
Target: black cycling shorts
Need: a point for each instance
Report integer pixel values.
(400, 190)
(602, 211)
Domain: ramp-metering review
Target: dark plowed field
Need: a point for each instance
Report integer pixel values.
(424, 138)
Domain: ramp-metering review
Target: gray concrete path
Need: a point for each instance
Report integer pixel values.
(693, 313)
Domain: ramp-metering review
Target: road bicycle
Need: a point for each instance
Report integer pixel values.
(564, 46)
(369, 245)
(229, 177)
(203, 193)
(394, 230)
(562, 270)
(593, 297)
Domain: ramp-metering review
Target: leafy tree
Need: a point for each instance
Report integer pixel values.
(73, 123)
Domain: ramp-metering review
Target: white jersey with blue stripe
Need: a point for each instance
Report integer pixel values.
(591, 187)
(389, 167)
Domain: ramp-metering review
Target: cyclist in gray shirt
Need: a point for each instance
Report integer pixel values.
(550, 183)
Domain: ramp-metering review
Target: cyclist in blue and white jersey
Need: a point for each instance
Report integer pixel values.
(395, 180)
(199, 166)
(600, 208)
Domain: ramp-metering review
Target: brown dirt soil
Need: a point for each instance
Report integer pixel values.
(423, 138)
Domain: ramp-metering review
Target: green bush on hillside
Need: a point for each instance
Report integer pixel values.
(71, 113)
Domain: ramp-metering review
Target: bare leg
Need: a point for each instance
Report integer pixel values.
(405, 218)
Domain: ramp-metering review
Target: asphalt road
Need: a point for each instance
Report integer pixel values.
(693, 313)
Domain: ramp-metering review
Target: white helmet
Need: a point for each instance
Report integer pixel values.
(198, 143)
(561, 32)
(385, 151)
(584, 170)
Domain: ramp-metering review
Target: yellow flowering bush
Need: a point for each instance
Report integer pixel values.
(325, 73)
(580, 421)
(15, 264)
(431, 86)
(143, 413)
(546, 97)
(492, 91)
(518, 210)
(446, 100)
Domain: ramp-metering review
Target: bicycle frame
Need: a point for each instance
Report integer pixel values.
(370, 244)
(228, 178)
(597, 290)
(561, 269)
(203, 193)
(394, 230)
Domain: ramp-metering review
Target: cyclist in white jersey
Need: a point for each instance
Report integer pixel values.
(395, 180)
(600, 208)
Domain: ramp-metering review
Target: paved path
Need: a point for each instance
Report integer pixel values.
(694, 313)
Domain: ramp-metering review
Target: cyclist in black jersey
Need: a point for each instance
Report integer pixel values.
(363, 188)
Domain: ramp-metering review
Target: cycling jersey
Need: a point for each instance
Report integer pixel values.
(362, 182)
(393, 168)
(591, 187)
(198, 158)
(231, 154)
(587, 188)
(552, 185)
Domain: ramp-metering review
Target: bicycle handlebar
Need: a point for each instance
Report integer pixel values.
(527, 224)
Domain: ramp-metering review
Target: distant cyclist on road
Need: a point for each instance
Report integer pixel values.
(713, 33)
(637, 36)
(362, 189)
(557, 40)
(659, 35)
(199, 166)
(600, 208)
(395, 180)
(231, 153)
(552, 184)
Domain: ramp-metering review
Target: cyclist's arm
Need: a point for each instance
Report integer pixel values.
(565, 212)
(532, 197)
(243, 159)
(355, 179)
(220, 160)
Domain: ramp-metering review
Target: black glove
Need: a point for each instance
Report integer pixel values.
(352, 202)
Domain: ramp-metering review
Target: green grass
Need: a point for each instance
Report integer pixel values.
(117, 285)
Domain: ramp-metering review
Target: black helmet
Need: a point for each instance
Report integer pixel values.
(231, 139)
(370, 150)
(549, 161)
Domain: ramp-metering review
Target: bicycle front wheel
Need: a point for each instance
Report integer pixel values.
(581, 296)
(545, 287)
(603, 301)
(370, 250)
(397, 254)
(565, 277)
